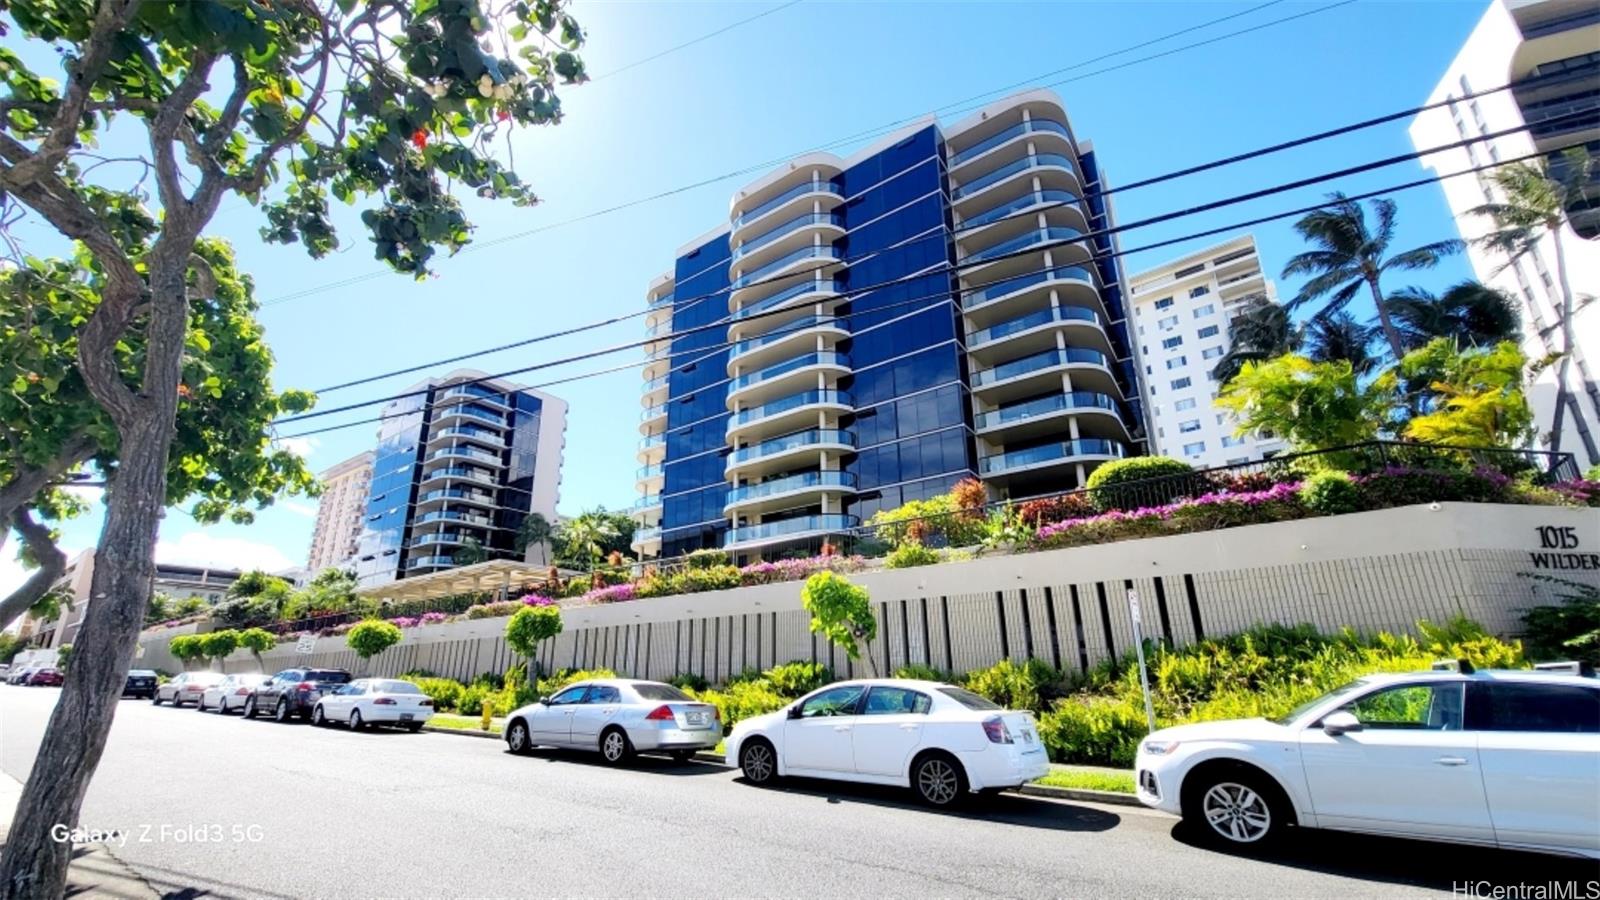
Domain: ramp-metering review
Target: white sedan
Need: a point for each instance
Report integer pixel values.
(1504, 758)
(374, 701)
(617, 717)
(942, 741)
(229, 694)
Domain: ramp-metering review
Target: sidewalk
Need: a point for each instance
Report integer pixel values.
(94, 871)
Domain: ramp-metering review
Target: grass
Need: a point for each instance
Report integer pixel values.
(1116, 781)
(465, 723)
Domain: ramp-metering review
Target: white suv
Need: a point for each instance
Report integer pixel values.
(1501, 758)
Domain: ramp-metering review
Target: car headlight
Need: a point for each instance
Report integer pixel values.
(1159, 748)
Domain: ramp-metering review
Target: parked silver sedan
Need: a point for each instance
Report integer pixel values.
(617, 718)
(230, 693)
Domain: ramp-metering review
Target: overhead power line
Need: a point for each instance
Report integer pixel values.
(483, 245)
(948, 295)
(692, 41)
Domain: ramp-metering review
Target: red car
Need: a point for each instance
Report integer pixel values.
(47, 677)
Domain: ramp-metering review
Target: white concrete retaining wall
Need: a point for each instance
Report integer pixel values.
(1370, 571)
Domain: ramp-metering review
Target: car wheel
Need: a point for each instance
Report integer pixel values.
(200, 705)
(222, 708)
(759, 762)
(156, 699)
(318, 717)
(413, 727)
(280, 713)
(683, 755)
(1237, 808)
(938, 780)
(355, 720)
(615, 748)
(249, 708)
(517, 740)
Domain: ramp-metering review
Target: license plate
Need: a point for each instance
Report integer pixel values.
(697, 718)
(405, 717)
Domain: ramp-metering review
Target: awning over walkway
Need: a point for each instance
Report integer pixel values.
(509, 578)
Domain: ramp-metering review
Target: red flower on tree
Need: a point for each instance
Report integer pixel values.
(420, 138)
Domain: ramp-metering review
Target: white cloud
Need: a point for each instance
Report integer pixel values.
(299, 509)
(91, 496)
(197, 548)
(299, 446)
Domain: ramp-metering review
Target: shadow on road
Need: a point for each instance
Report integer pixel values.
(1429, 864)
(1010, 809)
(649, 762)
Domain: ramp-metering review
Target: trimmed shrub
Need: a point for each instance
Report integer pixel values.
(920, 672)
(1050, 510)
(1330, 493)
(444, 692)
(797, 678)
(742, 700)
(706, 559)
(1029, 685)
(371, 637)
(471, 700)
(1569, 629)
(688, 681)
(1101, 731)
(909, 555)
(549, 686)
(1111, 485)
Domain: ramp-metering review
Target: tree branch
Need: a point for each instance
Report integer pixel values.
(52, 563)
(27, 481)
(169, 120)
(231, 110)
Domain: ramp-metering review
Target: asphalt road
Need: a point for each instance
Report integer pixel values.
(306, 812)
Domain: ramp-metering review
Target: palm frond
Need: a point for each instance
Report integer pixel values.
(1425, 257)
(1316, 262)
(1323, 284)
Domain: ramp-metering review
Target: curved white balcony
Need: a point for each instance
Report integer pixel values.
(805, 292)
(431, 562)
(445, 538)
(1085, 450)
(1000, 300)
(653, 419)
(776, 416)
(785, 377)
(468, 413)
(476, 394)
(652, 447)
(455, 495)
(1035, 239)
(1054, 171)
(453, 516)
(787, 529)
(778, 493)
(787, 237)
(768, 455)
(481, 436)
(646, 540)
(650, 478)
(1030, 374)
(1047, 134)
(1036, 331)
(655, 390)
(804, 196)
(809, 258)
(645, 506)
(782, 340)
(1043, 416)
(482, 457)
(1050, 202)
(460, 473)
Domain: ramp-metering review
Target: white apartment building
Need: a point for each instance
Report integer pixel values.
(340, 512)
(1181, 313)
(1552, 49)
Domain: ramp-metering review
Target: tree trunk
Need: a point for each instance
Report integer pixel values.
(52, 562)
(1390, 333)
(1563, 390)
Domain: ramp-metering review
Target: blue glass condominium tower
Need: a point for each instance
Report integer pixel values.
(934, 308)
(459, 466)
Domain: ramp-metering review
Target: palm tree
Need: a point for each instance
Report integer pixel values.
(1538, 199)
(1339, 337)
(1261, 331)
(1471, 312)
(585, 537)
(1350, 255)
(535, 532)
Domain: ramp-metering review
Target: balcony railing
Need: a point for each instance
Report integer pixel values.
(787, 366)
(663, 300)
(486, 415)
(1032, 363)
(805, 220)
(1060, 451)
(785, 330)
(655, 384)
(454, 516)
(648, 501)
(429, 562)
(791, 442)
(799, 190)
(1022, 282)
(1037, 198)
(824, 286)
(466, 453)
(1031, 320)
(1028, 127)
(652, 441)
(443, 537)
(782, 527)
(783, 405)
(1044, 406)
(457, 494)
(815, 251)
(477, 393)
(651, 471)
(791, 484)
(646, 535)
(464, 472)
(653, 412)
(1055, 160)
(1056, 235)
(467, 431)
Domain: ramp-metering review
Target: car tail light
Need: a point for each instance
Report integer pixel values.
(995, 728)
(661, 713)
(242, 692)
(425, 703)
(716, 715)
(193, 687)
(305, 687)
(383, 701)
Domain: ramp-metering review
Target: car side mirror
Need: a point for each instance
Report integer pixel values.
(794, 711)
(1337, 723)
(543, 701)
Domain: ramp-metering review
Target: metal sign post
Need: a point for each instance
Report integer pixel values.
(1144, 674)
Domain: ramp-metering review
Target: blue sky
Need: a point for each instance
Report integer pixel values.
(801, 77)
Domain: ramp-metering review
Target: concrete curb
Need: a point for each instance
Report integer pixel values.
(95, 871)
(463, 732)
(1061, 793)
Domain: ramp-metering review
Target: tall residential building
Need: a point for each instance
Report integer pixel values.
(340, 511)
(459, 466)
(886, 325)
(1181, 312)
(1552, 48)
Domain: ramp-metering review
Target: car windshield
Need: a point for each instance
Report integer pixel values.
(329, 675)
(396, 687)
(968, 698)
(660, 692)
(1307, 706)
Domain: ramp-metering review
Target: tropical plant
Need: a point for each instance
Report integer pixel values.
(1538, 201)
(186, 647)
(63, 656)
(216, 645)
(842, 613)
(530, 626)
(1330, 493)
(1338, 337)
(585, 540)
(331, 591)
(910, 554)
(535, 532)
(470, 553)
(159, 610)
(1471, 398)
(257, 641)
(1471, 312)
(1260, 330)
(1315, 406)
(1568, 628)
(1138, 481)
(1349, 256)
(373, 636)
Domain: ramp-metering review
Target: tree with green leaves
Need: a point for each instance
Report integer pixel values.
(1339, 337)
(388, 104)
(841, 612)
(371, 637)
(255, 599)
(1468, 397)
(1313, 405)
(331, 591)
(1471, 313)
(535, 534)
(1261, 330)
(186, 648)
(1539, 199)
(529, 627)
(257, 641)
(1351, 255)
(592, 536)
(63, 656)
(470, 553)
(216, 645)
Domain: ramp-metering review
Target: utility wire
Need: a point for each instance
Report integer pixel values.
(1084, 237)
(483, 245)
(1112, 254)
(692, 41)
